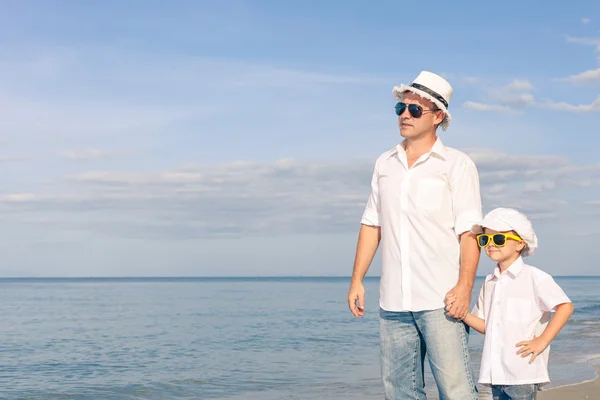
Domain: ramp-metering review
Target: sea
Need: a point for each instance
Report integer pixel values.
(224, 338)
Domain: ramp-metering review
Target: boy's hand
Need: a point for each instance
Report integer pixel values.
(534, 347)
(450, 298)
(449, 301)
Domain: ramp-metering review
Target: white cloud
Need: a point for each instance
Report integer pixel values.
(519, 86)
(579, 108)
(585, 21)
(282, 197)
(472, 105)
(588, 41)
(13, 157)
(79, 118)
(512, 98)
(591, 76)
(88, 154)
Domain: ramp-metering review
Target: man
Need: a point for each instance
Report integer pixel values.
(424, 201)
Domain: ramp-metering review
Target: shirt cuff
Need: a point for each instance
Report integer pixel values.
(466, 221)
(370, 217)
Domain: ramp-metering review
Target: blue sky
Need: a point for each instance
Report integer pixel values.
(203, 138)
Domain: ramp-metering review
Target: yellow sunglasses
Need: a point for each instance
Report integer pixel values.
(498, 239)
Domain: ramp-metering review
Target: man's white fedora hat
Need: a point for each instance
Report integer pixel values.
(431, 87)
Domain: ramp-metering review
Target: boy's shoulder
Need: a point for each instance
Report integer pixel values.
(536, 273)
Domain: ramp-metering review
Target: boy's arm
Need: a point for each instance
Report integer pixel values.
(539, 344)
(475, 322)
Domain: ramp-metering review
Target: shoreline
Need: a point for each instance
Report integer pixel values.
(584, 390)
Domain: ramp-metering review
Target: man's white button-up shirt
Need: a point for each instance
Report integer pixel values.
(421, 210)
(516, 305)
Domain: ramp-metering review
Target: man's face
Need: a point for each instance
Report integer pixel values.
(412, 128)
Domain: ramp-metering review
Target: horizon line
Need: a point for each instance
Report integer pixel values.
(234, 277)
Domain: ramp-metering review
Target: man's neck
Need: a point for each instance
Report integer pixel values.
(416, 147)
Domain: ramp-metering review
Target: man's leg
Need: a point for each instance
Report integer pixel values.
(402, 356)
(446, 341)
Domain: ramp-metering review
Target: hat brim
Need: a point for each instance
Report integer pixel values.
(398, 92)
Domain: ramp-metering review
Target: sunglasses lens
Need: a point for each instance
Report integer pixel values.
(415, 111)
(499, 240)
(483, 240)
(400, 107)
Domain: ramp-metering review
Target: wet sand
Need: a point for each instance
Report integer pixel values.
(587, 390)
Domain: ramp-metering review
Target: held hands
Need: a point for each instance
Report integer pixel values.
(449, 300)
(534, 347)
(356, 294)
(457, 301)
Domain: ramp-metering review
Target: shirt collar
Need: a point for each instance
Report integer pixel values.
(438, 149)
(513, 270)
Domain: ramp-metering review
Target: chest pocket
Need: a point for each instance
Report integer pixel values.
(518, 310)
(430, 194)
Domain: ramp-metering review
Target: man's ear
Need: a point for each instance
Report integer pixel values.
(439, 117)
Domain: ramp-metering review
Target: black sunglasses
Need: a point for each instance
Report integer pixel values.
(415, 110)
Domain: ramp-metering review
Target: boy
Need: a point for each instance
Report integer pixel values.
(514, 309)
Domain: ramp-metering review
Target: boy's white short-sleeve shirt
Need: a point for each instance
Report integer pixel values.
(516, 306)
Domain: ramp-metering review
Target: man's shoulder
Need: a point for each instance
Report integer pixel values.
(458, 155)
(387, 154)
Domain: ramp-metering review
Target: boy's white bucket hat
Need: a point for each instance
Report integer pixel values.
(508, 219)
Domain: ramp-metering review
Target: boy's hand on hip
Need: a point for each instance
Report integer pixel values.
(534, 347)
(462, 300)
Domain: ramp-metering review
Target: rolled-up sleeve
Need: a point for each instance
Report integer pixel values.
(371, 213)
(466, 196)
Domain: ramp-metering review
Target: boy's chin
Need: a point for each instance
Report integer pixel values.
(495, 256)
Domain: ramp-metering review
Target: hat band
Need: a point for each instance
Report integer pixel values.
(431, 93)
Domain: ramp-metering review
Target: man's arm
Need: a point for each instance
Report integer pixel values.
(466, 203)
(368, 242)
(469, 259)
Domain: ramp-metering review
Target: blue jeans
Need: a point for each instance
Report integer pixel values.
(405, 338)
(514, 392)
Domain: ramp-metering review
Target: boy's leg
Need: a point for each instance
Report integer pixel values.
(402, 356)
(521, 392)
(446, 342)
(498, 393)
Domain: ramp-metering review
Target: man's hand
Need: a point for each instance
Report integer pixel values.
(356, 293)
(459, 307)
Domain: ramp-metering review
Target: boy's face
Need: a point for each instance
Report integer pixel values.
(509, 251)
